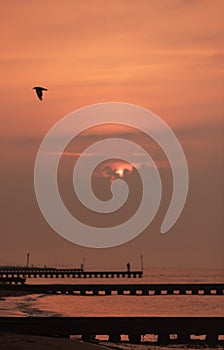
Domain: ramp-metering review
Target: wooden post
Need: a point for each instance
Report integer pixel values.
(114, 338)
(88, 337)
(134, 338)
(183, 338)
(212, 339)
(141, 257)
(27, 260)
(163, 339)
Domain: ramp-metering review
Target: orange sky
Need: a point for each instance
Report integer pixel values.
(166, 56)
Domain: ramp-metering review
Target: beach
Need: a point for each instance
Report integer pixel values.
(11, 341)
(23, 304)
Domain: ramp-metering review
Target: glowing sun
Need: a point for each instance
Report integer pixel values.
(120, 172)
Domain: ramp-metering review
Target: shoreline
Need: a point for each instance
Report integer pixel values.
(23, 307)
(14, 341)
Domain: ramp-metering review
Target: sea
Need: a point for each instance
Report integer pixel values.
(116, 305)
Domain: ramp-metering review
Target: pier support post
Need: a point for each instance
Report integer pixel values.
(183, 338)
(212, 339)
(88, 337)
(182, 292)
(114, 338)
(145, 292)
(134, 338)
(132, 292)
(157, 292)
(163, 339)
(194, 291)
(219, 291)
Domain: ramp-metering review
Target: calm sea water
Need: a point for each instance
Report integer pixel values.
(68, 305)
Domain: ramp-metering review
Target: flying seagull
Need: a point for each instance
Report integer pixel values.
(39, 91)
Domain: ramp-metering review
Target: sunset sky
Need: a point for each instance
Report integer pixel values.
(166, 56)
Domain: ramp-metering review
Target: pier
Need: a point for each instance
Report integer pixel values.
(65, 273)
(121, 289)
(212, 328)
(36, 272)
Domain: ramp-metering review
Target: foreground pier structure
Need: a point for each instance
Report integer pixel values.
(64, 273)
(121, 289)
(185, 328)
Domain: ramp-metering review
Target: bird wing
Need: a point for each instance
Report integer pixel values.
(39, 93)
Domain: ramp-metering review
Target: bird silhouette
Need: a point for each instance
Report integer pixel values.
(39, 91)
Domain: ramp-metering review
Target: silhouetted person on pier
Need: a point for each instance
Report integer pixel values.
(128, 267)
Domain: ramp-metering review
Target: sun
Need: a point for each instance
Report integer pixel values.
(120, 172)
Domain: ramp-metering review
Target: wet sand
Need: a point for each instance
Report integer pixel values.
(11, 341)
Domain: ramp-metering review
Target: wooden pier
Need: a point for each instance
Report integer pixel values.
(65, 273)
(135, 327)
(121, 289)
